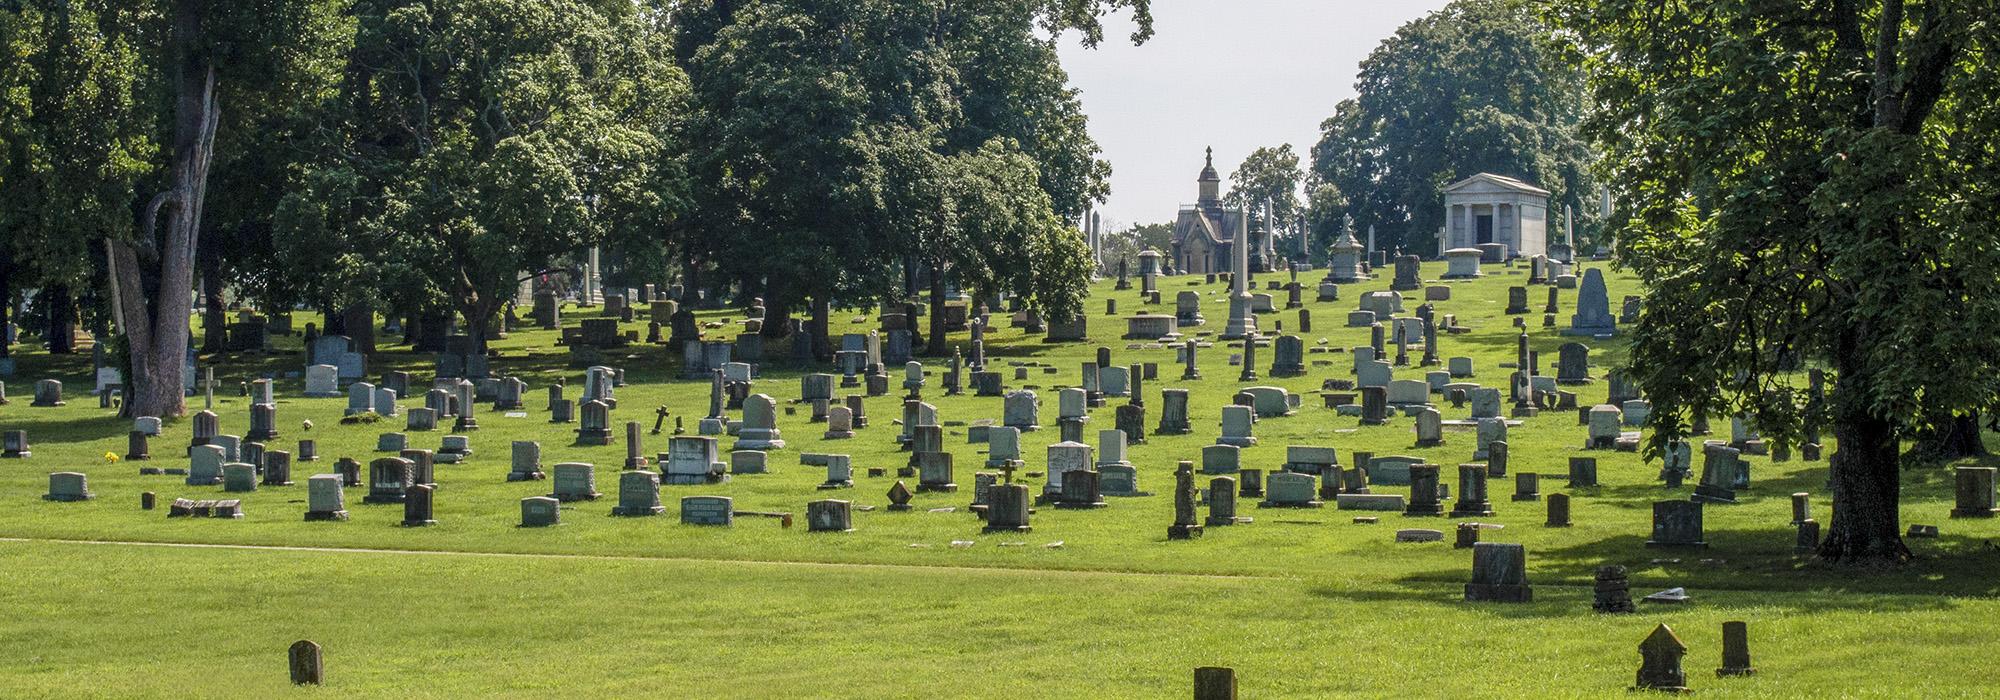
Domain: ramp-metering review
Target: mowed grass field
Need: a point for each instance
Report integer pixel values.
(1091, 603)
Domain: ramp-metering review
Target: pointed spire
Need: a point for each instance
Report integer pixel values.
(1662, 639)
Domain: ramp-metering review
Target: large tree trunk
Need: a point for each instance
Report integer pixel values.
(6, 302)
(155, 306)
(1956, 437)
(822, 311)
(1867, 487)
(936, 348)
(690, 280)
(359, 323)
(777, 315)
(61, 307)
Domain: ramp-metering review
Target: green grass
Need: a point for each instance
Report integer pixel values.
(1329, 607)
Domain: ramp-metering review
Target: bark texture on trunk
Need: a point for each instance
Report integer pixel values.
(936, 348)
(821, 321)
(1866, 527)
(156, 306)
(61, 332)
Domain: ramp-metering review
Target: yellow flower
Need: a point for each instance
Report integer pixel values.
(111, 457)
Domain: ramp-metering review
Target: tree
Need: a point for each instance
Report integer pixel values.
(1127, 244)
(1326, 215)
(837, 138)
(478, 139)
(1475, 87)
(1268, 177)
(77, 139)
(1807, 180)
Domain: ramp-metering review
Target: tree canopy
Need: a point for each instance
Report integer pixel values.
(1805, 183)
(1475, 87)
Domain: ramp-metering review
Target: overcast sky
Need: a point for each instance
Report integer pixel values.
(1233, 74)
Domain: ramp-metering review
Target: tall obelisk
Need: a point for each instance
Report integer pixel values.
(1242, 323)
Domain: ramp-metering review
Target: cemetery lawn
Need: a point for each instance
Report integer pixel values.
(1091, 603)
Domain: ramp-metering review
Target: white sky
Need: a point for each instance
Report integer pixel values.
(1233, 74)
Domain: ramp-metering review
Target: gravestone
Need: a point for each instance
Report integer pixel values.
(1582, 472)
(1424, 491)
(1007, 508)
(1593, 308)
(1173, 413)
(575, 481)
(830, 515)
(205, 465)
(540, 511)
(48, 394)
(322, 381)
(1660, 660)
(1290, 490)
(1527, 486)
(1237, 423)
(1499, 574)
(1472, 501)
(417, 506)
(304, 661)
(1719, 464)
(638, 494)
(708, 510)
(1184, 526)
(324, 498)
(16, 444)
(1021, 411)
(1612, 593)
(1221, 501)
(749, 462)
(69, 487)
(277, 468)
(1677, 524)
(691, 459)
(1735, 645)
(595, 428)
(1974, 493)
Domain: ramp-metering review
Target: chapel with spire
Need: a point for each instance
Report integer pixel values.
(1205, 231)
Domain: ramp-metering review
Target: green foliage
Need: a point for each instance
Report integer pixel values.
(1326, 215)
(75, 132)
(480, 139)
(1793, 190)
(1268, 176)
(1770, 211)
(1127, 244)
(1475, 87)
(840, 138)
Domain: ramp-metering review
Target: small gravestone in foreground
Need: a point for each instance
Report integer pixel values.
(417, 510)
(1185, 527)
(324, 498)
(1660, 662)
(540, 511)
(68, 487)
(1735, 650)
(830, 515)
(1499, 573)
(306, 665)
(1613, 592)
(638, 494)
(1214, 683)
(1007, 508)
